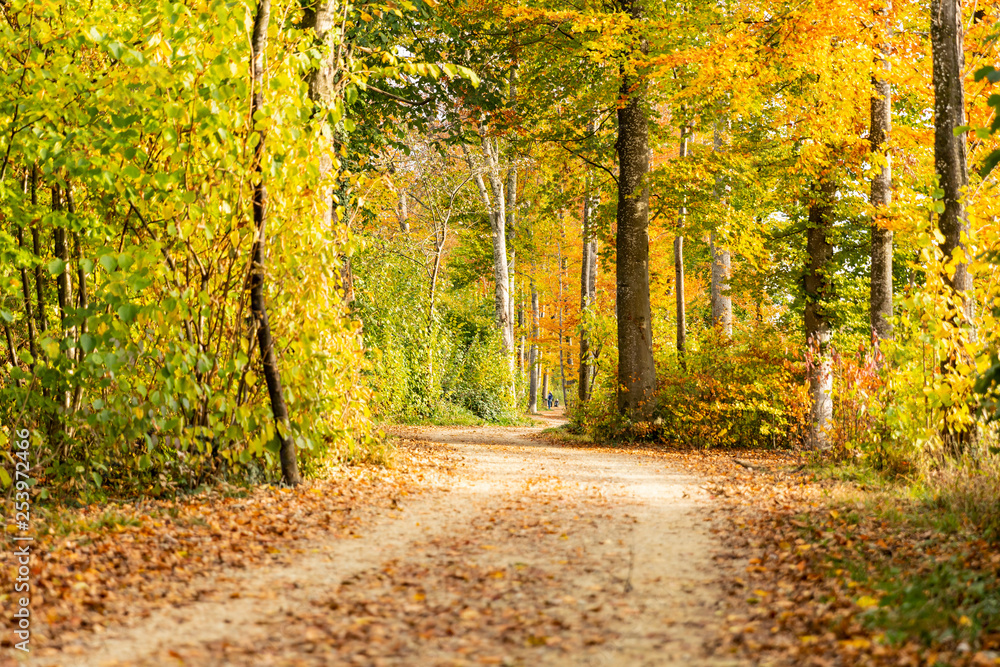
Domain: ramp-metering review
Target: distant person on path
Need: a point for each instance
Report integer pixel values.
(549, 399)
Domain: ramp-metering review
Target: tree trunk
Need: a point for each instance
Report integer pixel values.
(64, 285)
(82, 300)
(26, 291)
(403, 214)
(272, 376)
(36, 246)
(952, 172)
(818, 291)
(562, 335)
(722, 302)
(881, 189)
(511, 206)
(533, 361)
(679, 268)
(497, 214)
(586, 300)
(323, 17)
(636, 367)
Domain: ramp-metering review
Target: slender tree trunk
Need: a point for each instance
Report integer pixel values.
(722, 302)
(36, 246)
(636, 367)
(952, 172)
(64, 283)
(533, 361)
(881, 188)
(585, 302)
(272, 375)
(510, 192)
(496, 211)
(679, 298)
(679, 268)
(819, 290)
(440, 236)
(562, 334)
(403, 213)
(26, 291)
(511, 205)
(82, 300)
(10, 348)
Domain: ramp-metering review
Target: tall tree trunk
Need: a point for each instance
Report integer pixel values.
(881, 188)
(26, 291)
(533, 361)
(36, 246)
(819, 290)
(323, 18)
(82, 300)
(511, 205)
(722, 302)
(562, 334)
(403, 213)
(272, 375)
(636, 367)
(952, 172)
(586, 297)
(679, 268)
(497, 214)
(64, 284)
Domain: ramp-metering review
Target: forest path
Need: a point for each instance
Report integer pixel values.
(537, 554)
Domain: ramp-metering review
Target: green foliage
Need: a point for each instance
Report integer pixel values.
(478, 380)
(947, 603)
(446, 370)
(747, 392)
(139, 151)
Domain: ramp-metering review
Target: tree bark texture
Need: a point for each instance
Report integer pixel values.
(533, 361)
(36, 246)
(496, 207)
(679, 267)
(950, 151)
(881, 190)
(588, 294)
(818, 291)
(26, 292)
(722, 302)
(265, 343)
(952, 171)
(636, 367)
(324, 18)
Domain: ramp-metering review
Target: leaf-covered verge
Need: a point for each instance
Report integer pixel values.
(833, 564)
(114, 562)
(836, 569)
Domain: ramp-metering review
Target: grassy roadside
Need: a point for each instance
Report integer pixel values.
(841, 566)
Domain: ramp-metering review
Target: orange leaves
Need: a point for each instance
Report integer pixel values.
(813, 562)
(99, 565)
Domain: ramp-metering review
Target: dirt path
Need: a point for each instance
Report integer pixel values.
(536, 555)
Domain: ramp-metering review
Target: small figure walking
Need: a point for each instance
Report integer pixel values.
(549, 399)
